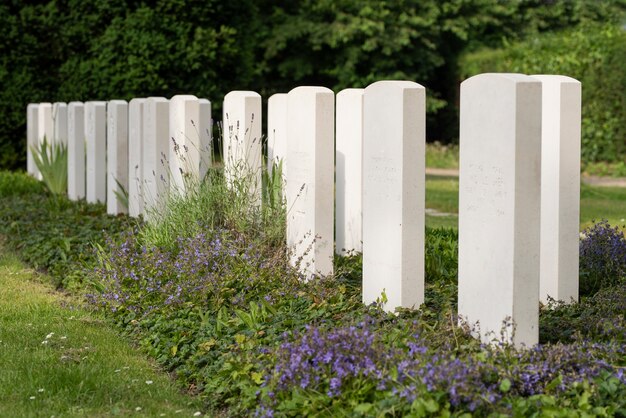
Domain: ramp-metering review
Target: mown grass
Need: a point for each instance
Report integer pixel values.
(596, 203)
(60, 360)
(442, 156)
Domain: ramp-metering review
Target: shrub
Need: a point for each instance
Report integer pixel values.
(593, 54)
(51, 160)
(602, 257)
(18, 184)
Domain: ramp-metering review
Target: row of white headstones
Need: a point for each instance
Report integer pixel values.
(519, 189)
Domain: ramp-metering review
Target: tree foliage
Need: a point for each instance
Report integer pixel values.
(62, 50)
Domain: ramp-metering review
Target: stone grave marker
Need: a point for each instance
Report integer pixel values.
(242, 140)
(59, 116)
(76, 150)
(348, 168)
(205, 127)
(117, 156)
(32, 138)
(276, 130)
(560, 187)
(499, 206)
(135, 156)
(155, 155)
(184, 143)
(394, 115)
(95, 142)
(310, 182)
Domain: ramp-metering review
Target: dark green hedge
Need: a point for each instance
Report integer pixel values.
(593, 54)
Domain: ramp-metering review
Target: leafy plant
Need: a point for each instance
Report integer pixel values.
(51, 160)
(602, 257)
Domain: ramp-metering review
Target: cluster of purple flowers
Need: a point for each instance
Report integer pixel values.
(337, 361)
(602, 257)
(202, 268)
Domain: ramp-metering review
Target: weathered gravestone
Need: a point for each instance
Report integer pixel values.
(155, 155)
(560, 187)
(499, 206)
(205, 126)
(184, 144)
(32, 135)
(76, 150)
(242, 141)
(348, 166)
(135, 156)
(59, 117)
(95, 134)
(394, 115)
(309, 182)
(117, 156)
(45, 123)
(277, 131)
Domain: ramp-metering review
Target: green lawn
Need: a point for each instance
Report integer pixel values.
(59, 360)
(596, 203)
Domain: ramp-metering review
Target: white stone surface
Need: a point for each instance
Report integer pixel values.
(242, 140)
(184, 144)
(135, 157)
(277, 130)
(499, 206)
(310, 182)
(76, 150)
(95, 143)
(45, 123)
(394, 115)
(32, 120)
(59, 116)
(560, 187)
(348, 167)
(117, 156)
(155, 154)
(205, 128)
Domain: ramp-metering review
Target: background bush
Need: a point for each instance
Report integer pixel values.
(62, 50)
(593, 54)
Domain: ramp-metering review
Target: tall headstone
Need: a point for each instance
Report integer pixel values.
(45, 123)
(310, 183)
(276, 130)
(59, 116)
(155, 155)
(242, 140)
(117, 157)
(499, 206)
(135, 157)
(184, 144)
(348, 166)
(32, 135)
(76, 150)
(205, 127)
(560, 187)
(95, 134)
(394, 114)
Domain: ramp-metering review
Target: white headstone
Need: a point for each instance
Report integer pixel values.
(32, 135)
(59, 115)
(117, 156)
(560, 187)
(394, 115)
(45, 123)
(155, 155)
(76, 151)
(135, 156)
(310, 182)
(184, 144)
(348, 166)
(205, 127)
(95, 134)
(276, 130)
(499, 206)
(242, 140)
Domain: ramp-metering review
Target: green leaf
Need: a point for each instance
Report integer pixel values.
(505, 385)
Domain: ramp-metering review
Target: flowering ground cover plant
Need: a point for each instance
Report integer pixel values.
(218, 306)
